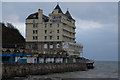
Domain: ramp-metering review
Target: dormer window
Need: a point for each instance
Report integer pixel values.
(34, 16)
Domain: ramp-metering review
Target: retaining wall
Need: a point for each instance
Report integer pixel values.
(21, 69)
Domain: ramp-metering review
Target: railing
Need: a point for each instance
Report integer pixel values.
(15, 58)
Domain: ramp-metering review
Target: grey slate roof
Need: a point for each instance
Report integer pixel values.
(45, 18)
(59, 9)
(35, 16)
(68, 15)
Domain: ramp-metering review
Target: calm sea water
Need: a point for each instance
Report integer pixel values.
(103, 69)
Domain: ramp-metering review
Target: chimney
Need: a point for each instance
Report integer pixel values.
(40, 14)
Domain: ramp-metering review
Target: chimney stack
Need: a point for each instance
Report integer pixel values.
(40, 14)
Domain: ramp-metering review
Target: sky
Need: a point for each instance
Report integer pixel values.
(96, 24)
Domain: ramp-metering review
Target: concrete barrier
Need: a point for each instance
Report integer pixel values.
(23, 69)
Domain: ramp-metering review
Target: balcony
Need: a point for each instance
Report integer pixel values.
(68, 36)
(69, 30)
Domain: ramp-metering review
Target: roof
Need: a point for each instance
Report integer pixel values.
(59, 9)
(68, 14)
(46, 19)
(35, 16)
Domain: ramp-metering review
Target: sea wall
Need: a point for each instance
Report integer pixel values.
(23, 69)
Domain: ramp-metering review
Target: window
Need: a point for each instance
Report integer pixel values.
(35, 25)
(35, 31)
(45, 45)
(53, 20)
(57, 31)
(45, 25)
(50, 25)
(29, 46)
(73, 23)
(53, 17)
(58, 45)
(44, 52)
(60, 17)
(57, 25)
(45, 31)
(57, 37)
(50, 32)
(51, 46)
(50, 37)
(45, 37)
(34, 16)
(33, 21)
(35, 37)
(35, 46)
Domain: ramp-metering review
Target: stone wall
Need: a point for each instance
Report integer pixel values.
(21, 70)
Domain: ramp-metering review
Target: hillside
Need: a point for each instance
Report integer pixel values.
(11, 37)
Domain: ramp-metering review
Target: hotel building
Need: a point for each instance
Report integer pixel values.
(53, 34)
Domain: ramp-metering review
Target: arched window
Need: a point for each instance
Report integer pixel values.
(58, 45)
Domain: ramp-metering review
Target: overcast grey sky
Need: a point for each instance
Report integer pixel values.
(96, 23)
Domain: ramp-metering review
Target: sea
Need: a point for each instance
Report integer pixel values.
(104, 70)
